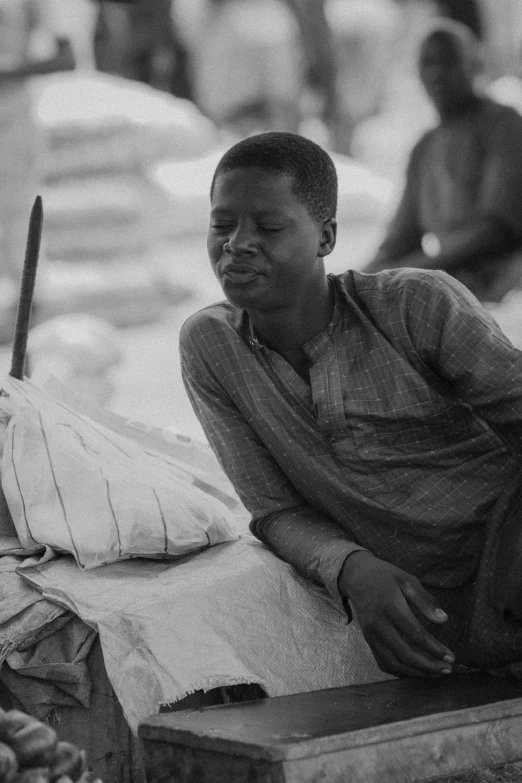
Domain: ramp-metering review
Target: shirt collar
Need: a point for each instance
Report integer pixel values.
(254, 342)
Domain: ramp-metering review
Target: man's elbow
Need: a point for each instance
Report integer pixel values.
(261, 525)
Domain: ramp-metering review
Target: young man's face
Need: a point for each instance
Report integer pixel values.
(264, 246)
(446, 72)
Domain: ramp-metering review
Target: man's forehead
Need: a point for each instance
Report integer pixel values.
(260, 173)
(257, 183)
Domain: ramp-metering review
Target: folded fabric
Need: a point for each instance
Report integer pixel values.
(25, 616)
(52, 672)
(233, 614)
(78, 486)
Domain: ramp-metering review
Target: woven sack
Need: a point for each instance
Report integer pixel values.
(79, 487)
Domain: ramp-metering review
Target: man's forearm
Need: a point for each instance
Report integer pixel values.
(315, 545)
(484, 238)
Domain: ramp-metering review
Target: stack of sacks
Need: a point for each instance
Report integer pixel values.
(98, 122)
(98, 218)
(181, 203)
(121, 290)
(101, 134)
(80, 350)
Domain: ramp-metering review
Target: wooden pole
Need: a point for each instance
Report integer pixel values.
(23, 316)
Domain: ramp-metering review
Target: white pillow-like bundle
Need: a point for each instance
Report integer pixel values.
(100, 122)
(80, 487)
(95, 218)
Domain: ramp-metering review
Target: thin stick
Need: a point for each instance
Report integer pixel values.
(25, 303)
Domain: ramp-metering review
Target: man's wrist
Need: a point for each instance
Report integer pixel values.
(350, 568)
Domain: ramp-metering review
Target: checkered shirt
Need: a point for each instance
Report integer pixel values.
(408, 433)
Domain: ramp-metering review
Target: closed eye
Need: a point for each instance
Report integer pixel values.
(221, 227)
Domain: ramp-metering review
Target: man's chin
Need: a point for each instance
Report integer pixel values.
(244, 295)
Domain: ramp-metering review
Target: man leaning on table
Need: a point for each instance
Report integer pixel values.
(371, 423)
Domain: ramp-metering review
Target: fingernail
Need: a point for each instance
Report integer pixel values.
(441, 614)
(449, 658)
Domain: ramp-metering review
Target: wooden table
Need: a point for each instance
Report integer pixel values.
(388, 732)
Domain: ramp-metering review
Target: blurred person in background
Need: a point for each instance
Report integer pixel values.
(27, 48)
(248, 69)
(259, 65)
(313, 66)
(460, 209)
(139, 40)
(364, 33)
(319, 96)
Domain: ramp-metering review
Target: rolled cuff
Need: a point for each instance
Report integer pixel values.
(313, 544)
(332, 559)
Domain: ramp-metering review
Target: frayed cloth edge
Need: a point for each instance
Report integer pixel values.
(208, 685)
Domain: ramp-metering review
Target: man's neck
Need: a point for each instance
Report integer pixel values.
(452, 112)
(297, 323)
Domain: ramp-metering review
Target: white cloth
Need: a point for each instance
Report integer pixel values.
(232, 614)
(77, 485)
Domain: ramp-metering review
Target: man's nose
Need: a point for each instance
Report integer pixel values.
(241, 240)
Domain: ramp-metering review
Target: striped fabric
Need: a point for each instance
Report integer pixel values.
(408, 434)
(81, 487)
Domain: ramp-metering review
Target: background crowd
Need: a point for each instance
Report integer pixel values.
(118, 111)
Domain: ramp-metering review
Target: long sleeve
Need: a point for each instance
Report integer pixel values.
(471, 352)
(314, 544)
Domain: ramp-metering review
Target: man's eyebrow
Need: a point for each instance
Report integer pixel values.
(265, 213)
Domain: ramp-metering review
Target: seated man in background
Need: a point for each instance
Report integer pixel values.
(371, 424)
(460, 210)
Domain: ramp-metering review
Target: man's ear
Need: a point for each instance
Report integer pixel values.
(328, 237)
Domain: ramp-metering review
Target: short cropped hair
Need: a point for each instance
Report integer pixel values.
(313, 170)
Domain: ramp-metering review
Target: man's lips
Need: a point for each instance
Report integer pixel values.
(239, 273)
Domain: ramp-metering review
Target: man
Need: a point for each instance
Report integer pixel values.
(369, 423)
(460, 209)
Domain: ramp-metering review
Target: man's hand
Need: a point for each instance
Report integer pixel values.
(388, 601)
